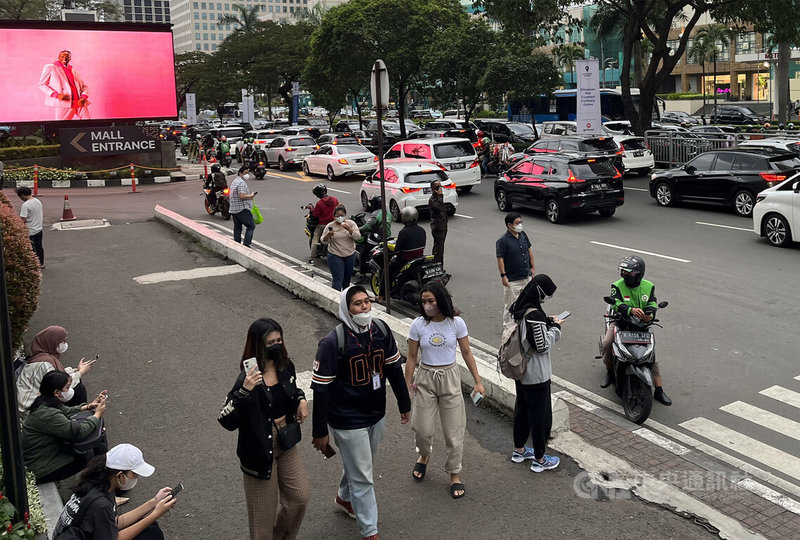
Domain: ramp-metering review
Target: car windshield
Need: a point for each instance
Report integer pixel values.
(425, 177)
(305, 141)
(520, 129)
(455, 149)
(602, 144)
(352, 149)
(592, 168)
(747, 110)
(786, 162)
(231, 132)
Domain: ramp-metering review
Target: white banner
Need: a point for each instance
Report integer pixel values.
(587, 112)
(248, 107)
(191, 109)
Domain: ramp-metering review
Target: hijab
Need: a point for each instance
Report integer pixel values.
(43, 347)
(344, 309)
(540, 287)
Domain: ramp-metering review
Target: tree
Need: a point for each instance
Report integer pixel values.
(314, 15)
(567, 54)
(705, 48)
(23, 9)
(107, 10)
(538, 21)
(700, 52)
(245, 19)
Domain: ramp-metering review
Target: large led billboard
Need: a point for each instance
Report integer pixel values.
(73, 72)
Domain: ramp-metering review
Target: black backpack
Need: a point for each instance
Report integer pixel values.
(74, 532)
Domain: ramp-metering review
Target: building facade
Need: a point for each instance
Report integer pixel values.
(145, 11)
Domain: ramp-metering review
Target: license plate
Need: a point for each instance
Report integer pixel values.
(638, 154)
(361, 160)
(426, 190)
(432, 271)
(634, 337)
(600, 186)
(457, 166)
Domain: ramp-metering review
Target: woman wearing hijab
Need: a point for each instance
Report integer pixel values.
(265, 404)
(46, 350)
(533, 413)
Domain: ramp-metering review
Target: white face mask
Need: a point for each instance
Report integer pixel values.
(339, 219)
(518, 228)
(66, 396)
(129, 483)
(250, 176)
(363, 319)
(431, 310)
(62, 347)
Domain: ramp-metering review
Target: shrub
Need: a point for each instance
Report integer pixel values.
(27, 152)
(681, 95)
(44, 174)
(23, 276)
(27, 525)
(490, 114)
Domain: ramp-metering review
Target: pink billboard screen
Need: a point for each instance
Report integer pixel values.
(49, 74)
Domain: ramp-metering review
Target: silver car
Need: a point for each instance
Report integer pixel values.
(286, 151)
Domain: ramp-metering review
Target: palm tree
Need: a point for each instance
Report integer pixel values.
(567, 54)
(246, 18)
(313, 15)
(706, 42)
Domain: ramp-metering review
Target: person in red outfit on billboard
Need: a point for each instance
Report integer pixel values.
(65, 89)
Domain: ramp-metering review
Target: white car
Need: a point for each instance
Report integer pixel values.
(788, 144)
(636, 155)
(335, 160)
(777, 212)
(408, 184)
(289, 150)
(454, 155)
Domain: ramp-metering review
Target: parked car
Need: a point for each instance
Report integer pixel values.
(679, 117)
(728, 177)
(346, 125)
(345, 137)
(736, 114)
(335, 160)
(777, 212)
(408, 184)
(787, 145)
(561, 184)
(286, 151)
(434, 133)
(605, 146)
(393, 126)
(501, 131)
(636, 155)
(232, 134)
(457, 156)
(447, 124)
(301, 130)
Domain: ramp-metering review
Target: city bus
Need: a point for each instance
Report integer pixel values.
(563, 103)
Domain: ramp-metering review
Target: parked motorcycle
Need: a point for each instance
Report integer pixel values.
(221, 204)
(633, 354)
(409, 280)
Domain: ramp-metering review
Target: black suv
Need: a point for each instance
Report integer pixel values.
(604, 146)
(561, 184)
(504, 131)
(735, 114)
(729, 177)
(347, 125)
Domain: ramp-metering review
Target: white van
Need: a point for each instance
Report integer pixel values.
(454, 155)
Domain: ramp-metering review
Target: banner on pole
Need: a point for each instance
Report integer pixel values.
(191, 109)
(587, 112)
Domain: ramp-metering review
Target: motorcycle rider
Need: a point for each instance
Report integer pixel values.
(246, 150)
(410, 245)
(635, 297)
(216, 182)
(223, 148)
(323, 212)
(372, 232)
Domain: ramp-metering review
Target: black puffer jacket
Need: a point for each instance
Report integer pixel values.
(249, 413)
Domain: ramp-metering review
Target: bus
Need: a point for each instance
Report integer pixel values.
(563, 104)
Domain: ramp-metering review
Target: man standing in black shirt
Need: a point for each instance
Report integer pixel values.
(352, 366)
(438, 220)
(410, 245)
(514, 261)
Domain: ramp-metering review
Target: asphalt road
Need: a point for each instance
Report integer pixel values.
(729, 332)
(169, 353)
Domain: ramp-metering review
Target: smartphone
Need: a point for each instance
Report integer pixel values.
(177, 489)
(563, 316)
(328, 452)
(255, 193)
(93, 360)
(477, 397)
(249, 364)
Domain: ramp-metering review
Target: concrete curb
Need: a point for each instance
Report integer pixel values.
(85, 183)
(51, 504)
(500, 392)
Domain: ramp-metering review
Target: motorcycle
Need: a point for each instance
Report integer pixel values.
(224, 158)
(409, 280)
(633, 355)
(222, 203)
(258, 164)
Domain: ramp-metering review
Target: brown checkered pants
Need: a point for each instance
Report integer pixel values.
(288, 486)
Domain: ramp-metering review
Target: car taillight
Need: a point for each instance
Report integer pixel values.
(770, 177)
(572, 179)
(290, 149)
(439, 165)
(316, 147)
(451, 185)
(410, 189)
(619, 152)
(617, 173)
(343, 161)
(260, 163)
(474, 164)
(621, 147)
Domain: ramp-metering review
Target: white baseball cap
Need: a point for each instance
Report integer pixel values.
(126, 457)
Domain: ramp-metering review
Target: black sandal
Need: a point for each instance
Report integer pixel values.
(458, 486)
(419, 468)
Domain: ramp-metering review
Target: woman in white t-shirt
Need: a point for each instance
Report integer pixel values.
(437, 385)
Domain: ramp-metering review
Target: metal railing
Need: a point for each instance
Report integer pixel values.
(674, 148)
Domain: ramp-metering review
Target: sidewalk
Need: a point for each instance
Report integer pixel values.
(620, 458)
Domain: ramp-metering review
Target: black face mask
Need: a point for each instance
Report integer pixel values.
(274, 352)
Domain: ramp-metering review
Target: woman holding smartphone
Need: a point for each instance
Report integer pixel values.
(533, 412)
(266, 406)
(340, 235)
(437, 387)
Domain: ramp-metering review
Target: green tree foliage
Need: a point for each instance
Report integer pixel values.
(519, 73)
(107, 10)
(537, 20)
(569, 53)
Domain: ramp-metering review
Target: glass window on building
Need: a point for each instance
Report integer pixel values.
(221, 37)
(284, 9)
(219, 7)
(689, 45)
(196, 5)
(227, 7)
(197, 26)
(291, 9)
(213, 46)
(196, 15)
(263, 7)
(148, 18)
(205, 26)
(205, 46)
(746, 43)
(197, 47)
(723, 52)
(213, 37)
(227, 27)
(148, 3)
(197, 35)
(205, 36)
(270, 9)
(202, 5)
(673, 44)
(205, 16)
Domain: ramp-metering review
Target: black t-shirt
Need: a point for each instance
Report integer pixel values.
(410, 242)
(99, 519)
(353, 401)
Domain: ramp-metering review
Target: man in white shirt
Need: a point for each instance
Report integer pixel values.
(32, 214)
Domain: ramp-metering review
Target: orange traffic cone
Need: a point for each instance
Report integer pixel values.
(67, 215)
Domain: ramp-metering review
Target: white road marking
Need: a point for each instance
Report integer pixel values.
(770, 494)
(194, 273)
(770, 420)
(636, 189)
(577, 401)
(782, 394)
(339, 191)
(723, 226)
(462, 215)
(797, 378)
(742, 444)
(640, 251)
(663, 442)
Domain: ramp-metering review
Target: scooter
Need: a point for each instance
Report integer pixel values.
(633, 355)
(258, 164)
(221, 205)
(224, 158)
(409, 280)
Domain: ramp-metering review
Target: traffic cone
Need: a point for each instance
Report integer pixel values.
(67, 215)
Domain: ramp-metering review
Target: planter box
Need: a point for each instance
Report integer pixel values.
(62, 183)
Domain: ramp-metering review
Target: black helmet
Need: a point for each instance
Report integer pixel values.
(631, 269)
(320, 191)
(216, 168)
(374, 203)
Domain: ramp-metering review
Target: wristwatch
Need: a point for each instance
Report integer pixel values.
(502, 275)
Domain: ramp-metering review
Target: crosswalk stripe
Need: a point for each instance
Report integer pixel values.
(747, 446)
(782, 394)
(797, 378)
(770, 420)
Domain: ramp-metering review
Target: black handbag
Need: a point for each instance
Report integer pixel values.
(94, 440)
(289, 435)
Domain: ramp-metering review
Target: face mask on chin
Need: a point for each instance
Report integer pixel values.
(363, 320)
(62, 347)
(66, 396)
